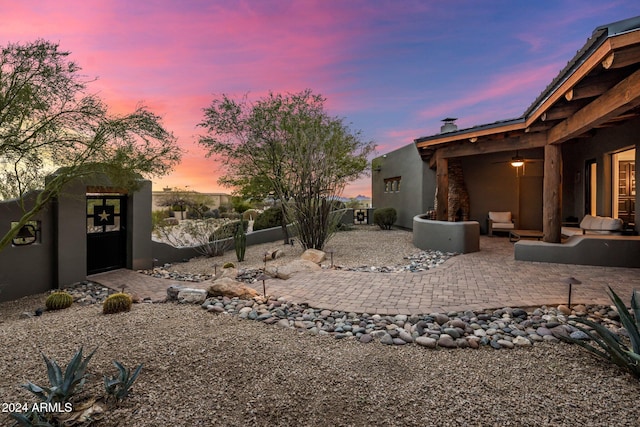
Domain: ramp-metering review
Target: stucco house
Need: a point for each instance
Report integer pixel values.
(578, 142)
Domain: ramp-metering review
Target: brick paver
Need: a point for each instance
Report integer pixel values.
(487, 279)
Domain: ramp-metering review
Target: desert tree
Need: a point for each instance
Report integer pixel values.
(290, 142)
(49, 122)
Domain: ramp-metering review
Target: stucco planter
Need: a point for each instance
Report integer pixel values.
(461, 237)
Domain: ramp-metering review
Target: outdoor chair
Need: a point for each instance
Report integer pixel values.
(499, 221)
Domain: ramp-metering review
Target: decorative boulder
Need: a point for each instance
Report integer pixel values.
(286, 271)
(274, 253)
(192, 296)
(230, 272)
(313, 255)
(172, 292)
(228, 287)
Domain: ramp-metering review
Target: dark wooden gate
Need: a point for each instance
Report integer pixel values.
(106, 232)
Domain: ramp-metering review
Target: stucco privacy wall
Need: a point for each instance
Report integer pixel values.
(60, 256)
(26, 270)
(417, 184)
(72, 229)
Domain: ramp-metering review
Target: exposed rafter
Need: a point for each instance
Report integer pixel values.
(622, 97)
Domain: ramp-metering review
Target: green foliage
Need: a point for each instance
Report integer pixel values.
(49, 120)
(62, 387)
(229, 229)
(240, 205)
(385, 218)
(58, 301)
(212, 214)
(240, 242)
(158, 218)
(288, 145)
(228, 265)
(270, 218)
(117, 303)
(118, 387)
(611, 346)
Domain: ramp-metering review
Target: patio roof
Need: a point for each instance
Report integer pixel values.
(599, 87)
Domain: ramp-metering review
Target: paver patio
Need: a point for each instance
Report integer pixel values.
(487, 279)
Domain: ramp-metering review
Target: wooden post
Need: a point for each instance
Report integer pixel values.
(637, 201)
(442, 191)
(552, 196)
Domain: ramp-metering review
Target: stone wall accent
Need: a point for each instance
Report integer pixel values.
(458, 202)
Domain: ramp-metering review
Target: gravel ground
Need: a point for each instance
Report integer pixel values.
(365, 245)
(207, 369)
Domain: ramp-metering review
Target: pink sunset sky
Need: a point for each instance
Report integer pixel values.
(393, 69)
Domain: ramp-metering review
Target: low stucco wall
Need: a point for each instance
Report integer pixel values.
(610, 251)
(461, 237)
(164, 253)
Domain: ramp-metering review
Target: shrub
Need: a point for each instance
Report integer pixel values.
(611, 346)
(228, 230)
(118, 387)
(270, 218)
(117, 303)
(230, 215)
(212, 214)
(58, 301)
(385, 217)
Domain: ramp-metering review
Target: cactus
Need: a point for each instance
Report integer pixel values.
(228, 265)
(59, 300)
(117, 303)
(240, 242)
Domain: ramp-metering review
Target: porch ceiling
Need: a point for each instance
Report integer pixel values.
(599, 87)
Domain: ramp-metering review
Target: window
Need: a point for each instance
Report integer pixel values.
(392, 185)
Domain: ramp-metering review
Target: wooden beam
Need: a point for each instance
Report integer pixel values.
(560, 112)
(526, 141)
(591, 87)
(622, 58)
(552, 194)
(592, 61)
(617, 100)
(442, 188)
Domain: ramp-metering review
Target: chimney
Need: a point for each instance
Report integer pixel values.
(449, 125)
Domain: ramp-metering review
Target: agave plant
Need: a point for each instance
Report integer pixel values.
(62, 386)
(118, 387)
(609, 345)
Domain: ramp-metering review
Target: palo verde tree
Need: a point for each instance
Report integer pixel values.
(49, 122)
(290, 142)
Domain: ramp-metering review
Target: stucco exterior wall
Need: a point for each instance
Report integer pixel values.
(576, 153)
(494, 185)
(417, 184)
(139, 226)
(26, 270)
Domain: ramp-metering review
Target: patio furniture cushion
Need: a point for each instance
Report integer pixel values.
(500, 221)
(500, 217)
(595, 225)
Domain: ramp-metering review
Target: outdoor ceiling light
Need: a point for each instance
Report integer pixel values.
(517, 161)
